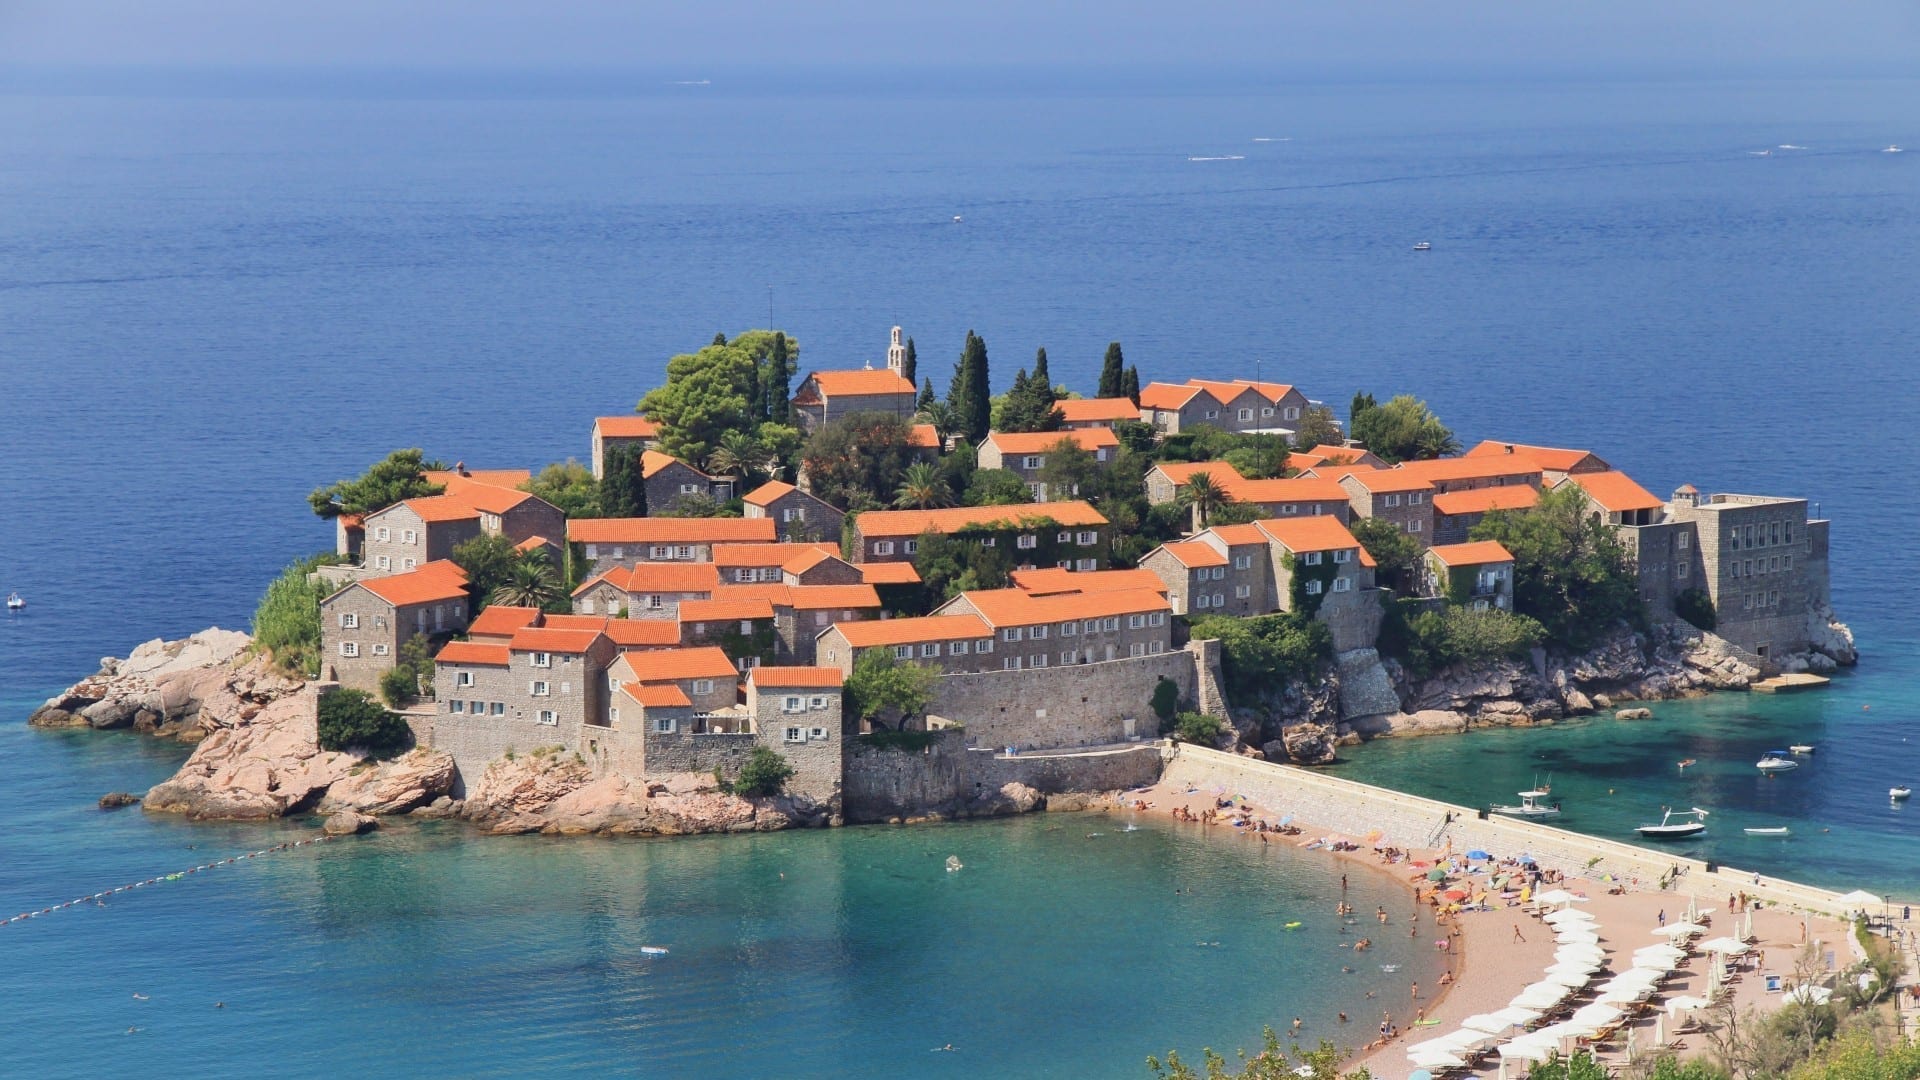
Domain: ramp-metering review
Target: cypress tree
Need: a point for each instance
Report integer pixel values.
(1130, 385)
(980, 391)
(1041, 377)
(1113, 372)
(926, 395)
(720, 338)
(910, 368)
(779, 384)
(623, 487)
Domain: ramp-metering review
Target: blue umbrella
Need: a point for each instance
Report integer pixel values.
(1526, 859)
(1476, 853)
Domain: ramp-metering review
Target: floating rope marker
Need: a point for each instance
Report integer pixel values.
(99, 897)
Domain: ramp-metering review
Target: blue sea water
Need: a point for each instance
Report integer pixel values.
(210, 305)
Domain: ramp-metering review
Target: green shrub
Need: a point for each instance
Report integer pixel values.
(286, 624)
(1695, 606)
(399, 687)
(1165, 700)
(903, 741)
(765, 773)
(1198, 728)
(1430, 640)
(352, 720)
(1263, 653)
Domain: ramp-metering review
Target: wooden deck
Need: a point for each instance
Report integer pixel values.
(1788, 684)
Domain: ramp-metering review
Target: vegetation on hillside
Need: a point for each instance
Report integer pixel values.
(286, 623)
(763, 773)
(882, 687)
(730, 385)
(1262, 653)
(351, 720)
(1570, 571)
(1428, 640)
(399, 475)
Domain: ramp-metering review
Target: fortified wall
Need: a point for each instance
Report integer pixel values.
(1098, 704)
(947, 778)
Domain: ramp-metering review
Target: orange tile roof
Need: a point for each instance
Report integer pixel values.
(664, 695)
(504, 478)
(820, 678)
(489, 498)
(924, 437)
(827, 597)
(668, 665)
(807, 560)
(1380, 481)
(1291, 490)
(652, 461)
(1225, 392)
(1097, 410)
(660, 577)
(1481, 500)
(1159, 395)
(693, 611)
(502, 621)
(552, 640)
(1338, 454)
(776, 593)
(1014, 607)
(438, 580)
(1462, 468)
(626, 427)
(1192, 553)
(1182, 471)
(472, 652)
(436, 509)
(1615, 492)
(766, 493)
(873, 632)
(730, 556)
(861, 383)
(1039, 442)
(1024, 515)
(889, 573)
(1239, 535)
(1055, 580)
(353, 521)
(532, 542)
(1299, 462)
(1477, 553)
(1546, 457)
(626, 633)
(665, 530)
(1320, 533)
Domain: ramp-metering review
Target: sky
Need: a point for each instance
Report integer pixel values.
(722, 38)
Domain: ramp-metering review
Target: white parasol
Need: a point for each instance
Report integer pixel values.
(1727, 945)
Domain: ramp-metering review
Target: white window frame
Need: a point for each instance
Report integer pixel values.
(1342, 584)
(1315, 587)
(703, 686)
(1157, 618)
(818, 734)
(1344, 555)
(903, 652)
(538, 688)
(796, 734)
(382, 534)
(1309, 558)
(1086, 538)
(959, 648)
(983, 645)
(663, 725)
(1012, 633)
(793, 703)
(379, 648)
(1027, 542)
(930, 649)
(541, 660)
(350, 649)
(547, 717)
(349, 621)
(456, 706)
(883, 547)
(463, 678)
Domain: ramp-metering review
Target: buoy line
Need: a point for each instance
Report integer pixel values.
(102, 895)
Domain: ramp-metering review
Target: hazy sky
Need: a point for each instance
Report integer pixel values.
(711, 37)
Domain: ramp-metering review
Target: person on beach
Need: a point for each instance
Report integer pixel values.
(1416, 991)
(1663, 916)
(1518, 936)
(1382, 913)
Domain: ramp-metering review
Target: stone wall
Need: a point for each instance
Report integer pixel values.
(473, 744)
(884, 783)
(1054, 773)
(1047, 708)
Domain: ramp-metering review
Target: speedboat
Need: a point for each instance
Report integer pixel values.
(1771, 830)
(1891, 150)
(1775, 761)
(14, 603)
(1899, 792)
(1801, 748)
(1690, 822)
(1423, 246)
(1530, 806)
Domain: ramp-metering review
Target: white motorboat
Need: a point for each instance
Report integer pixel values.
(1801, 748)
(1891, 150)
(14, 603)
(1770, 830)
(1423, 246)
(1775, 761)
(1530, 806)
(1690, 822)
(1899, 792)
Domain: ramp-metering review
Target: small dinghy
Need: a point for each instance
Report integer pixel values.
(1899, 792)
(14, 603)
(1770, 830)
(1801, 748)
(653, 950)
(1775, 761)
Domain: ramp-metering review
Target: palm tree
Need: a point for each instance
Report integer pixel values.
(532, 582)
(1204, 497)
(1436, 441)
(922, 488)
(942, 416)
(737, 455)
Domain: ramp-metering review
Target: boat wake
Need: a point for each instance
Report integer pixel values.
(1265, 138)
(1223, 157)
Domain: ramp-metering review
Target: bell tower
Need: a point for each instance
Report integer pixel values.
(896, 353)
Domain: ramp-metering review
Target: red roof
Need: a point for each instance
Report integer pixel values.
(821, 678)
(668, 665)
(437, 509)
(924, 437)
(1014, 607)
(1192, 553)
(828, 597)
(1159, 395)
(1039, 442)
(1477, 553)
(626, 427)
(1379, 481)
(660, 577)
(1022, 516)
(865, 383)
(652, 461)
(1056, 580)
(553, 640)
(1182, 471)
(532, 542)
(472, 652)
(1097, 410)
(873, 632)
(1615, 492)
(502, 621)
(1545, 457)
(666, 530)
(766, 493)
(1291, 490)
(656, 695)
(501, 478)
(1239, 535)
(890, 573)
(1225, 392)
(693, 611)
(1481, 500)
(1338, 454)
(729, 556)
(438, 580)
(1320, 533)
(1463, 468)
(626, 633)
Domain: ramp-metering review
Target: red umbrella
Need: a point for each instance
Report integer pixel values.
(1455, 894)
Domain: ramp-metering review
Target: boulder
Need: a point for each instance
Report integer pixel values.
(1310, 744)
(349, 823)
(114, 800)
(415, 778)
(1634, 714)
(1429, 722)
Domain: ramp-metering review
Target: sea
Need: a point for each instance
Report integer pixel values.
(211, 303)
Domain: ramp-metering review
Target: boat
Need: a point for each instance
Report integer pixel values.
(1770, 830)
(1688, 762)
(14, 603)
(1691, 822)
(1530, 806)
(1801, 748)
(1775, 761)
(1891, 150)
(1899, 792)
(1423, 246)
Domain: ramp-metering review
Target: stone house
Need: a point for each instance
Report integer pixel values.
(1327, 454)
(1331, 567)
(788, 563)
(1478, 574)
(1291, 497)
(540, 687)
(1469, 474)
(826, 396)
(801, 612)
(1554, 463)
(669, 480)
(1224, 570)
(611, 542)
(798, 713)
(1165, 479)
(615, 431)
(1079, 414)
(1403, 498)
(705, 674)
(1616, 499)
(497, 623)
(363, 625)
(744, 627)
(1064, 629)
(504, 509)
(414, 532)
(1068, 534)
(645, 590)
(1024, 453)
(1239, 406)
(798, 514)
(1455, 513)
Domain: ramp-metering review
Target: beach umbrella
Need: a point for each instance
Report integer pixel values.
(1524, 859)
(1455, 894)
(1436, 874)
(1693, 908)
(1476, 853)
(1729, 946)
(1858, 898)
(1622, 994)
(1577, 967)
(1577, 936)
(1681, 1002)
(1492, 1023)
(1581, 953)
(1659, 1029)
(1810, 995)
(1565, 915)
(1435, 1059)
(1528, 1048)
(1599, 1014)
(1569, 979)
(1665, 955)
(1675, 931)
(1746, 931)
(1515, 1016)
(1539, 996)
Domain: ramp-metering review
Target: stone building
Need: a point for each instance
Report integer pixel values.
(651, 590)
(414, 532)
(363, 625)
(798, 713)
(1455, 513)
(704, 673)
(1079, 414)
(825, 396)
(800, 516)
(1477, 575)
(1239, 406)
(1053, 580)
(1403, 498)
(669, 481)
(538, 688)
(1471, 474)
(610, 432)
(1332, 568)
(1225, 570)
(1010, 629)
(1069, 534)
(1024, 453)
(611, 542)
(1554, 463)
(787, 563)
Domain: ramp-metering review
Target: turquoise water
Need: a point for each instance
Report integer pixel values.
(423, 951)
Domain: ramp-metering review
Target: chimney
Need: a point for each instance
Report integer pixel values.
(1509, 448)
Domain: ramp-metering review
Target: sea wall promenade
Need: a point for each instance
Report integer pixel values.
(1409, 821)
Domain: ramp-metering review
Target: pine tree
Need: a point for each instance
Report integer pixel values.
(910, 368)
(1113, 372)
(1130, 385)
(1361, 403)
(779, 380)
(720, 338)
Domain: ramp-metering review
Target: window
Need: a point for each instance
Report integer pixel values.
(819, 618)
(1416, 498)
(1157, 647)
(1683, 569)
(659, 551)
(684, 551)
(703, 686)
(464, 678)
(456, 706)
(349, 648)
(794, 703)
(958, 648)
(1087, 564)
(1293, 412)
(1241, 592)
(1310, 558)
(1114, 623)
(613, 716)
(1011, 633)
(1158, 618)
(407, 564)
(1746, 601)
(379, 648)
(1266, 410)
(1038, 661)
(663, 725)
(477, 708)
(931, 649)
(1219, 600)
(903, 652)
(689, 489)
(620, 552)
(1341, 584)
(541, 659)
(349, 621)
(655, 601)
(796, 734)
(883, 547)
(1135, 622)
(409, 537)
(910, 546)
(1246, 415)
(818, 734)
(382, 534)
(1202, 600)
(537, 689)
(1137, 649)
(1066, 536)
(1068, 656)
(499, 708)
(1243, 562)
(1011, 663)
(1087, 538)
(1027, 542)
(1069, 628)
(989, 541)
(1289, 508)
(1390, 500)
(1686, 541)
(1416, 525)
(1032, 461)
(1773, 597)
(1213, 414)
(385, 562)
(547, 717)
(983, 645)
(1314, 588)
(1344, 555)
(1786, 562)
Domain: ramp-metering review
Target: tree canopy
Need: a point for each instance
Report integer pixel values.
(399, 475)
(726, 386)
(882, 686)
(971, 393)
(997, 487)
(951, 565)
(1396, 554)
(353, 720)
(568, 485)
(1113, 378)
(1029, 405)
(286, 624)
(1402, 430)
(858, 462)
(623, 483)
(1570, 572)
(1317, 428)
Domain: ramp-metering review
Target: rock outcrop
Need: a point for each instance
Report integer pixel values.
(1310, 743)
(178, 689)
(557, 793)
(114, 800)
(349, 823)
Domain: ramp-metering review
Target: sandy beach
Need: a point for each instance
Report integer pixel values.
(1496, 953)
